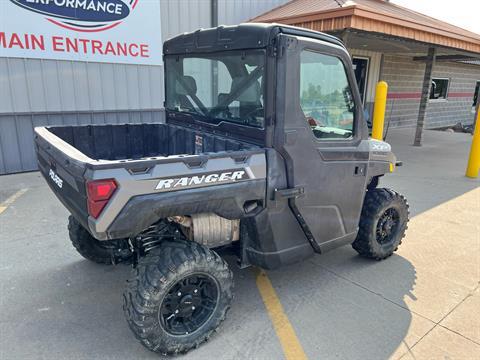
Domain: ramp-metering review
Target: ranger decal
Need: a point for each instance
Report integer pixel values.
(202, 179)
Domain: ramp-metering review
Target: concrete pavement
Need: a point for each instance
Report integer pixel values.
(421, 303)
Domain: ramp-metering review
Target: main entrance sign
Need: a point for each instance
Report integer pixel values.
(121, 31)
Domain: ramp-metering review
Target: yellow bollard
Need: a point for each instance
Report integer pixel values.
(379, 110)
(474, 159)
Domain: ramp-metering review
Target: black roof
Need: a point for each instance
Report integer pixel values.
(243, 36)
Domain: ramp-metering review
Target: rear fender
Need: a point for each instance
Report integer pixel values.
(228, 201)
(168, 189)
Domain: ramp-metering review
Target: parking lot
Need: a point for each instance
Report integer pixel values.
(421, 303)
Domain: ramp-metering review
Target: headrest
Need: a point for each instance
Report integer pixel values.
(187, 86)
(250, 94)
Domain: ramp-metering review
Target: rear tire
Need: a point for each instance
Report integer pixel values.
(383, 223)
(180, 294)
(102, 252)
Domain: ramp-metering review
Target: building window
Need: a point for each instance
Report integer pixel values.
(439, 89)
(475, 95)
(325, 96)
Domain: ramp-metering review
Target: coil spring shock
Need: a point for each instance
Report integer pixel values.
(151, 238)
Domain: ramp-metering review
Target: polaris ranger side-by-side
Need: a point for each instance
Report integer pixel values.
(264, 152)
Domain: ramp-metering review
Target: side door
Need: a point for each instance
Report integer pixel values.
(320, 133)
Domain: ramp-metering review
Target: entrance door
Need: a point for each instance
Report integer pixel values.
(320, 133)
(360, 67)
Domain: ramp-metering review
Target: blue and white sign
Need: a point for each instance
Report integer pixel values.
(114, 31)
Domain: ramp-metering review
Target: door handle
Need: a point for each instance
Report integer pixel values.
(360, 170)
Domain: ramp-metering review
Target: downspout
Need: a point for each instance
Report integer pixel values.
(214, 13)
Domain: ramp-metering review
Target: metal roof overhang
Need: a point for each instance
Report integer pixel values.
(387, 33)
(389, 44)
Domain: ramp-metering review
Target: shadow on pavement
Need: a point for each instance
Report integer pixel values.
(345, 306)
(339, 304)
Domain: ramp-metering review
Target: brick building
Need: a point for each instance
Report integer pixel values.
(432, 68)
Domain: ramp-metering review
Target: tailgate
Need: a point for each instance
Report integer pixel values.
(63, 169)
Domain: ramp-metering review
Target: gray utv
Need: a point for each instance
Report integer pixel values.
(264, 153)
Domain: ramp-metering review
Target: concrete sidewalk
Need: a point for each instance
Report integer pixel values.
(421, 303)
(442, 244)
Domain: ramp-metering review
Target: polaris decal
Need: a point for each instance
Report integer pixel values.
(211, 178)
(55, 178)
(81, 15)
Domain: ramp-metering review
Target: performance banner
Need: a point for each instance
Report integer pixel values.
(113, 31)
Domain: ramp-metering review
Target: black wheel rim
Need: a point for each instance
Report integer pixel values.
(189, 304)
(387, 226)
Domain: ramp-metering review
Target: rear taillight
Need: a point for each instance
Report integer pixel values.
(99, 192)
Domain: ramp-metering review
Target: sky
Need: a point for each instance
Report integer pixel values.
(462, 13)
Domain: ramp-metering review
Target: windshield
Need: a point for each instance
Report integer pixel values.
(226, 86)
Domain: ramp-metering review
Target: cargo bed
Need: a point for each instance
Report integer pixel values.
(139, 157)
(139, 141)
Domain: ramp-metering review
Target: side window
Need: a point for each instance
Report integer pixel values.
(325, 96)
(439, 89)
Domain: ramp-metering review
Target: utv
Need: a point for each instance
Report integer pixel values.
(264, 152)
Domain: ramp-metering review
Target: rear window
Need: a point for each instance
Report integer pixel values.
(226, 86)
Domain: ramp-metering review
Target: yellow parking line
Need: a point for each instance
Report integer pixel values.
(4, 205)
(292, 348)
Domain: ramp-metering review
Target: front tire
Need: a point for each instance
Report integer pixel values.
(180, 294)
(102, 252)
(382, 225)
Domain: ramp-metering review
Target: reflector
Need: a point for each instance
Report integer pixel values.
(103, 190)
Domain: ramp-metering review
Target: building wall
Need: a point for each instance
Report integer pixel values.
(37, 92)
(458, 106)
(405, 78)
(37, 85)
(231, 12)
